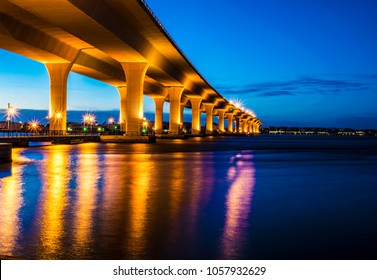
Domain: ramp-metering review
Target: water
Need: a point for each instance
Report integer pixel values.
(266, 197)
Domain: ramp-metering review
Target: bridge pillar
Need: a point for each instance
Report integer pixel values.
(230, 122)
(135, 74)
(237, 124)
(58, 73)
(249, 125)
(209, 118)
(254, 127)
(221, 114)
(182, 111)
(159, 112)
(195, 119)
(242, 125)
(123, 107)
(175, 94)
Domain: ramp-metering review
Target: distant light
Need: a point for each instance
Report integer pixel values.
(58, 115)
(11, 110)
(89, 118)
(34, 125)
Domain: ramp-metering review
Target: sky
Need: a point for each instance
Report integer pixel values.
(293, 62)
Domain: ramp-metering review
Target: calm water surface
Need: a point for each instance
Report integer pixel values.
(267, 197)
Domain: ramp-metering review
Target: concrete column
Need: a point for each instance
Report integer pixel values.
(58, 73)
(254, 127)
(209, 118)
(182, 111)
(247, 125)
(250, 126)
(221, 114)
(135, 74)
(195, 119)
(230, 122)
(175, 94)
(159, 113)
(257, 127)
(243, 126)
(122, 90)
(237, 124)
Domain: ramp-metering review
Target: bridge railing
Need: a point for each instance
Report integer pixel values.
(19, 134)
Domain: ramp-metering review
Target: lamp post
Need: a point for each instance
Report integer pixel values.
(11, 111)
(58, 117)
(110, 120)
(88, 119)
(91, 121)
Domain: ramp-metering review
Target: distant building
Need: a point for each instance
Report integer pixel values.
(14, 126)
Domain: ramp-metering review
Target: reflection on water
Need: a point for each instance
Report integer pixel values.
(139, 177)
(238, 205)
(197, 199)
(94, 201)
(87, 201)
(11, 201)
(55, 175)
(87, 177)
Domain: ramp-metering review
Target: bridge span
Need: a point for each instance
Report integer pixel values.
(121, 43)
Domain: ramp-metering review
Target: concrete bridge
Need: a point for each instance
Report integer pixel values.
(121, 43)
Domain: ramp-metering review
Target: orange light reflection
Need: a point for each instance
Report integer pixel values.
(238, 204)
(54, 201)
(11, 201)
(86, 193)
(139, 195)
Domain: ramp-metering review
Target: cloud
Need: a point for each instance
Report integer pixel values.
(277, 93)
(301, 86)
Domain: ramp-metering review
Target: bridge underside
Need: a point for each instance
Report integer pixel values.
(118, 42)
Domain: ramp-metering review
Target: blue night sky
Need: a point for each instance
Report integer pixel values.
(293, 62)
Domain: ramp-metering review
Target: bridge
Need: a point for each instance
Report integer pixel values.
(122, 43)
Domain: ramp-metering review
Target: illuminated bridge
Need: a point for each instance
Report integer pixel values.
(121, 43)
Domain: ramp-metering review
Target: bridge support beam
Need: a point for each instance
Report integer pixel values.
(182, 116)
(243, 126)
(253, 127)
(209, 118)
(135, 74)
(195, 119)
(249, 126)
(221, 114)
(159, 112)
(256, 127)
(237, 124)
(230, 122)
(175, 94)
(58, 73)
(123, 107)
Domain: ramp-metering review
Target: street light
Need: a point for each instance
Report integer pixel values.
(11, 112)
(88, 119)
(33, 125)
(110, 120)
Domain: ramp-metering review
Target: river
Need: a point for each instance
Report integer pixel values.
(261, 197)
